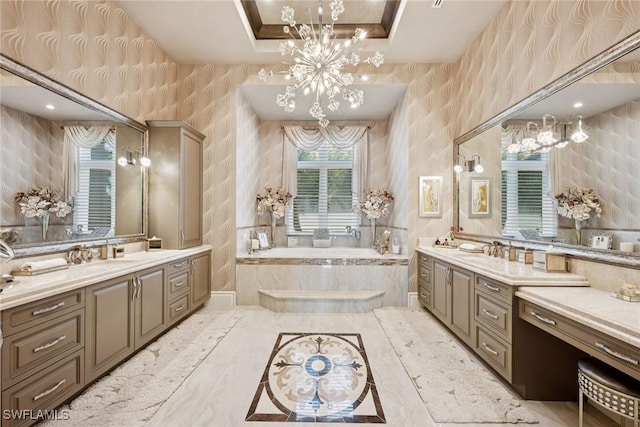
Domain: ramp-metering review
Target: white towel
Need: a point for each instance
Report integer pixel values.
(43, 265)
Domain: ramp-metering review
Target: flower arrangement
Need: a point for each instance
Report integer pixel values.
(40, 201)
(376, 203)
(578, 204)
(273, 200)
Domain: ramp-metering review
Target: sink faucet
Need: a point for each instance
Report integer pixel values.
(6, 253)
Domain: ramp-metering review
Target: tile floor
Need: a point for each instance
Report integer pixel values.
(222, 390)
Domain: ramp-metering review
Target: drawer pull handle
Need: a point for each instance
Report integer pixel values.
(616, 354)
(180, 308)
(489, 349)
(49, 345)
(423, 274)
(491, 288)
(179, 265)
(543, 319)
(181, 284)
(423, 258)
(490, 314)
(51, 390)
(48, 309)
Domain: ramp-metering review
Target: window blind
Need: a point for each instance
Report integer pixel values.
(324, 198)
(527, 206)
(94, 204)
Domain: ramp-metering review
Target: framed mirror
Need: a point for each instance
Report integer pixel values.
(562, 165)
(71, 167)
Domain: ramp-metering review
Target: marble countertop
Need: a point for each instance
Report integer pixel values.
(509, 272)
(592, 307)
(31, 288)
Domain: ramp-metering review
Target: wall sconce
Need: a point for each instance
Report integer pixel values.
(547, 137)
(472, 165)
(131, 158)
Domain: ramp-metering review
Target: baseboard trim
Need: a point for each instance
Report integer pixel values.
(413, 300)
(223, 300)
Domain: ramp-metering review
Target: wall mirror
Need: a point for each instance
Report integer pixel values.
(70, 166)
(581, 132)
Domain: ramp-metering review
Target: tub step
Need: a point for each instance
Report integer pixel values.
(313, 301)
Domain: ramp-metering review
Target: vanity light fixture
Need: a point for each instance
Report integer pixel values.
(130, 159)
(472, 165)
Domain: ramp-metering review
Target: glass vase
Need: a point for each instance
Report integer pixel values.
(44, 219)
(578, 231)
(273, 230)
(373, 233)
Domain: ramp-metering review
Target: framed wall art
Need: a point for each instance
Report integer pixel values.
(479, 197)
(431, 196)
(601, 241)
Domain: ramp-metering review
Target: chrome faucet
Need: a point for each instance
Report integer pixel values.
(355, 233)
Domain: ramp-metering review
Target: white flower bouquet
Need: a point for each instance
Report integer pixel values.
(273, 200)
(40, 201)
(376, 203)
(578, 204)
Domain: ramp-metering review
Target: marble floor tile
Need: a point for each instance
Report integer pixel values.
(226, 367)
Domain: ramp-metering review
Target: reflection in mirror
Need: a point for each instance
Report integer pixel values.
(61, 181)
(564, 170)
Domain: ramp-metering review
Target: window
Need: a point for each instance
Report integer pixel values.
(526, 203)
(324, 198)
(95, 205)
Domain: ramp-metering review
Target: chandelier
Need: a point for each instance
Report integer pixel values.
(553, 134)
(318, 61)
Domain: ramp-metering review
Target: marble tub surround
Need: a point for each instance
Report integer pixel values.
(317, 377)
(322, 256)
(308, 301)
(27, 289)
(510, 272)
(591, 307)
(327, 277)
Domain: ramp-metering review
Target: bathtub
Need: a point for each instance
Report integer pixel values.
(329, 270)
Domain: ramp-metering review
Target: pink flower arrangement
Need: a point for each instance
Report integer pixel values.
(39, 201)
(376, 203)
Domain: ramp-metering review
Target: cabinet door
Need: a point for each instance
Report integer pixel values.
(441, 292)
(462, 313)
(149, 303)
(191, 192)
(200, 279)
(109, 329)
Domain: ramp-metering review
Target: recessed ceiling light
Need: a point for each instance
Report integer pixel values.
(50, 107)
(577, 105)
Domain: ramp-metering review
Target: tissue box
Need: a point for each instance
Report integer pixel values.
(546, 261)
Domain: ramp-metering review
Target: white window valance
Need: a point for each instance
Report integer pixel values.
(297, 137)
(85, 137)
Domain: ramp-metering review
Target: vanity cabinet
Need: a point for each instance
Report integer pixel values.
(123, 314)
(453, 299)
(201, 279)
(179, 279)
(42, 353)
(175, 183)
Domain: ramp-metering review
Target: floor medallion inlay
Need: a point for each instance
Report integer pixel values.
(319, 377)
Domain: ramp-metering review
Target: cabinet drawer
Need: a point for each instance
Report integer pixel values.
(494, 314)
(424, 261)
(178, 284)
(34, 348)
(424, 296)
(495, 352)
(178, 266)
(46, 390)
(424, 277)
(179, 308)
(28, 315)
(499, 290)
(612, 351)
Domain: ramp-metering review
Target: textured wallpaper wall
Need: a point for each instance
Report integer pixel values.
(93, 47)
(30, 155)
(248, 164)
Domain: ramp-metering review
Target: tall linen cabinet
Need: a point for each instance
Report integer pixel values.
(175, 183)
